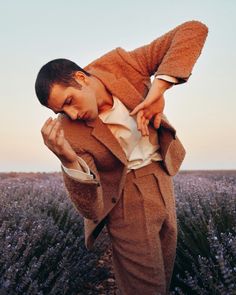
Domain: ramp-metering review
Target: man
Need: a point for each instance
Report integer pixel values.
(118, 151)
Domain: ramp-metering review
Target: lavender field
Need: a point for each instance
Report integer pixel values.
(42, 244)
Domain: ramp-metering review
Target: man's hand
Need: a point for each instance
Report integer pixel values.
(53, 136)
(149, 111)
(152, 107)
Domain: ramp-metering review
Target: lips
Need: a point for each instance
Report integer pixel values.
(82, 116)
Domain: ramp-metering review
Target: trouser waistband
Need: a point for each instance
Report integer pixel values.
(145, 170)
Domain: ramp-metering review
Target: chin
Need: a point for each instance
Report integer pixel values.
(94, 116)
(91, 117)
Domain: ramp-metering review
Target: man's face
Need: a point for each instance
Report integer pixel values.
(74, 102)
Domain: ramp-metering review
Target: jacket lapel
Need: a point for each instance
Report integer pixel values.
(103, 134)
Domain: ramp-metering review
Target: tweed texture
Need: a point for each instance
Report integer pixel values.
(126, 74)
(143, 232)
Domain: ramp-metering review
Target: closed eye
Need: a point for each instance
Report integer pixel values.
(68, 101)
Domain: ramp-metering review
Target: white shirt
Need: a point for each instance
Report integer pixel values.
(139, 149)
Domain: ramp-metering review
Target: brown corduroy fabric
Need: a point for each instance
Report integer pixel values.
(126, 74)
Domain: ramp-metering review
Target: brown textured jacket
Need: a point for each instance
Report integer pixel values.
(126, 74)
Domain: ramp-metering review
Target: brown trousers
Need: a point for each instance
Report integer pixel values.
(143, 231)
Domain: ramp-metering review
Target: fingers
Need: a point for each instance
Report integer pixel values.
(46, 129)
(148, 114)
(145, 127)
(137, 108)
(139, 120)
(60, 138)
(45, 125)
(157, 120)
(142, 123)
(54, 139)
(50, 132)
(53, 132)
(151, 111)
(150, 100)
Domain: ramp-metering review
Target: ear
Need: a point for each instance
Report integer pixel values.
(80, 77)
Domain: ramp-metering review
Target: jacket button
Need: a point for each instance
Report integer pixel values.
(113, 200)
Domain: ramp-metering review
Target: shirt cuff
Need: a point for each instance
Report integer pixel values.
(78, 174)
(167, 78)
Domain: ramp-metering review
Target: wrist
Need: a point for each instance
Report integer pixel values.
(158, 89)
(163, 85)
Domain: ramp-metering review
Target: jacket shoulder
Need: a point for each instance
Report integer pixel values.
(117, 60)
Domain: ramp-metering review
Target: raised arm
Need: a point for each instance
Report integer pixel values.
(174, 53)
(170, 58)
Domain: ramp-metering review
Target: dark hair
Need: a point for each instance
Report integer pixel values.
(57, 71)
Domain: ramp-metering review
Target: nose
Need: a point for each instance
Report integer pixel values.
(72, 113)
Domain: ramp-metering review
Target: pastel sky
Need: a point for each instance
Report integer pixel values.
(203, 110)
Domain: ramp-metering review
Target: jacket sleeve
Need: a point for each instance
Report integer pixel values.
(174, 53)
(86, 195)
(78, 174)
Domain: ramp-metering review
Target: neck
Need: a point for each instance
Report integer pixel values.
(104, 96)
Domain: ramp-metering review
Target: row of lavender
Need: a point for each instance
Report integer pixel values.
(206, 249)
(42, 244)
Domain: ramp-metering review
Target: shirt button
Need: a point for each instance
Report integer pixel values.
(113, 200)
(95, 221)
